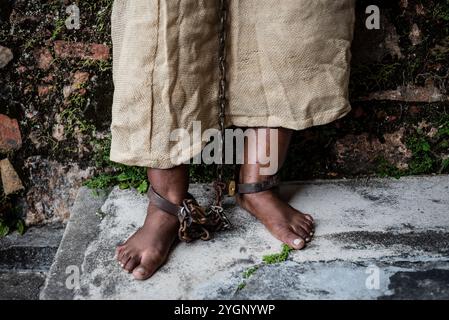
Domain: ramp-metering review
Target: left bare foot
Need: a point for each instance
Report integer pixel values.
(287, 224)
(282, 220)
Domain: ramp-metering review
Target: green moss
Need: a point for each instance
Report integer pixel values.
(249, 272)
(428, 152)
(73, 118)
(377, 76)
(429, 149)
(98, 65)
(11, 220)
(443, 129)
(241, 286)
(278, 257)
(267, 259)
(103, 15)
(58, 29)
(246, 275)
(112, 173)
(100, 181)
(423, 160)
(441, 11)
(386, 169)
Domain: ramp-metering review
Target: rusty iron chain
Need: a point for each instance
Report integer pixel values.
(219, 185)
(197, 223)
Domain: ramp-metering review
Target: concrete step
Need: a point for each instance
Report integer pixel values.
(375, 239)
(21, 285)
(26, 259)
(33, 250)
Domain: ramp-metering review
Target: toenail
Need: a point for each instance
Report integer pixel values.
(311, 234)
(140, 270)
(307, 239)
(297, 242)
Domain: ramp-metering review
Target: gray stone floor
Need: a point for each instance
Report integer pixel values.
(375, 239)
(25, 261)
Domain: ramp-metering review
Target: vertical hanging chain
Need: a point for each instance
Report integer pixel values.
(195, 221)
(222, 100)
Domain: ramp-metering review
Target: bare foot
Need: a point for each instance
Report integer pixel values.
(283, 221)
(148, 248)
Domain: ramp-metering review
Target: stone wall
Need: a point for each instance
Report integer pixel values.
(56, 94)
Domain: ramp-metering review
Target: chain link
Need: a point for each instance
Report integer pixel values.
(222, 99)
(196, 222)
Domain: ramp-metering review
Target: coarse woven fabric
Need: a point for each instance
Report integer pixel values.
(288, 66)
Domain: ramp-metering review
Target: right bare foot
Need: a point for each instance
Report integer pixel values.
(148, 248)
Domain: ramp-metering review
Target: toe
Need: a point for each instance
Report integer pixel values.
(121, 253)
(148, 265)
(124, 259)
(118, 252)
(307, 223)
(131, 264)
(301, 231)
(307, 228)
(141, 273)
(298, 244)
(293, 239)
(309, 217)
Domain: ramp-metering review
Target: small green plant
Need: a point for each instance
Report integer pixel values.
(133, 177)
(441, 11)
(246, 275)
(444, 166)
(241, 286)
(10, 216)
(113, 173)
(278, 257)
(423, 160)
(443, 130)
(30, 43)
(123, 176)
(379, 76)
(4, 229)
(386, 169)
(103, 15)
(9, 224)
(74, 119)
(268, 259)
(100, 65)
(59, 27)
(249, 272)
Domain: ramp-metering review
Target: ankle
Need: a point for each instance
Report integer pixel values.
(251, 174)
(174, 193)
(268, 194)
(172, 184)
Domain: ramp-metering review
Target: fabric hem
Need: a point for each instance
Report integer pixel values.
(275, 122)
(159, 163)
(240, 121)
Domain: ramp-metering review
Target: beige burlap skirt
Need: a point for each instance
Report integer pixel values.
(288, 66)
